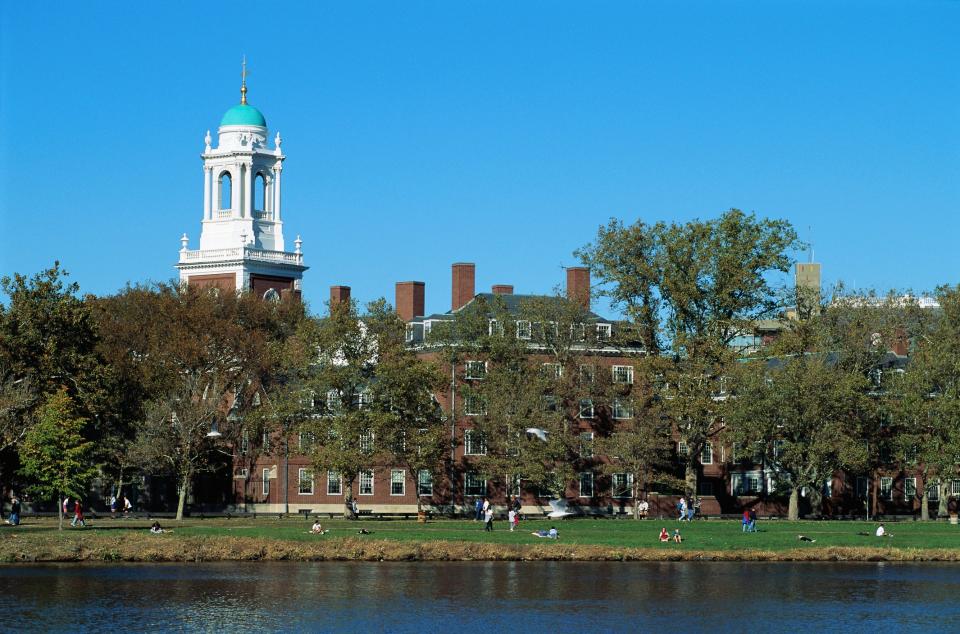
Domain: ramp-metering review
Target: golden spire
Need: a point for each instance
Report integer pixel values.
(243, 82)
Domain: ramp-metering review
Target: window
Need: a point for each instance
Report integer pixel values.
(474, 443)
(552, 371)
(244, 443)
(259, 192)
(474, 406)
(266, 482)
(424, 482)
(363, 399)
(586, 408)
(828, 488)
(863, 483)
(398, 478)
(271, 295)
(622, 409)
(226, 191)
(705, 488)
(476, 369)
(266, 442)
(586, 484)
(622, 485)
(578, 332)
(706, 454)
(305, 478)
(745, 483)
(366, 441)
(496, 328)
(524, 330)
(586, 444)
(623, 374)
(682, 448)
(474, 485)
(933, 491)
(366, 482)
(909, 488)
(955, 487)
(777, 449)
(603, 332)
(586, 374)
(549, 403)
(513, 486)
(334, 404)
(242, 473)
(886, 488)
(334, 483)
(410, 333)
(306, 442)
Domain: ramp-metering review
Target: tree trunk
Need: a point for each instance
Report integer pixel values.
(690, 478)
(60, 514)
(793, 510)
(636, 501)
(925, 504)
(942, 506)
(183, 489)
(874, 495)
(348, 505)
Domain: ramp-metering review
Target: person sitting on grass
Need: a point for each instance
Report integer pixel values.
(550, 534)
(882, 532)
(664, 535)
(676, 536)
(317, 529)
(155, 529)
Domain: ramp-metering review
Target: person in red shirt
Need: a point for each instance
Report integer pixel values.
(664, 537)
(77, 514)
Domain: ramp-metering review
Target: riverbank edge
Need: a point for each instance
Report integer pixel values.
(168, 549)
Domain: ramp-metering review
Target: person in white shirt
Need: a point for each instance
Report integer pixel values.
(882, 532)
(644, 508)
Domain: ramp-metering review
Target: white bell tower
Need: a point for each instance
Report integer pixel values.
(242, 230)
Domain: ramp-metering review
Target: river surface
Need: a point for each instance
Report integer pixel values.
(494, 598)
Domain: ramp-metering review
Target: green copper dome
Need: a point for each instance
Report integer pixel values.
(243, 114)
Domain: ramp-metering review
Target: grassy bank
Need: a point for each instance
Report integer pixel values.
(583, 540)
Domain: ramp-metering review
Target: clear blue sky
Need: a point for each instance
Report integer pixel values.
(419, 134)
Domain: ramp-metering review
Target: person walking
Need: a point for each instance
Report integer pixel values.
(511, 518)
(14, 518)
(682, 506)
(127, 507)
(78, 513)
(488, 519)
(113, 505)
(478, 509)
(745, 522)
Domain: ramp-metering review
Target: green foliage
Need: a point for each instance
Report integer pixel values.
(55, 458)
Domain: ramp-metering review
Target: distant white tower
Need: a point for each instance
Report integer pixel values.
(241, 240)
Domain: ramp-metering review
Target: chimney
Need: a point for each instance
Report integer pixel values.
(578, 285)
(339, 295)
(502, 289)
(463, 284)
(410, 296)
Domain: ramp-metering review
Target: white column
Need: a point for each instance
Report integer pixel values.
(237, 178)
(207, 211)
(276, 192)
(249, 186)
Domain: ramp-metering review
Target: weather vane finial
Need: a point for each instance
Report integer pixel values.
(243, 81)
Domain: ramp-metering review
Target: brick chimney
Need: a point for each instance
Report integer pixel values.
(578, 285)
(502, 289)
(410, 300)
(338, 295)
(463, 284)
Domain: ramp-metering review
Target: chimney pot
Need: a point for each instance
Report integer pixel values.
(502, 289)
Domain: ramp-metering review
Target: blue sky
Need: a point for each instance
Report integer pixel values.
(419, 134)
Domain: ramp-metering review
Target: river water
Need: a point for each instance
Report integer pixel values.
(494, 598)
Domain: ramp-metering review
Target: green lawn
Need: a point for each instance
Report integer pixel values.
(715, 535)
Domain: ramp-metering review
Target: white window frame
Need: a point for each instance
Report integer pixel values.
(886, 487)
(244, 443)
(469, 488)
(578, 332)
(604, 332)
(304, 475)
(682, 448)
(590, 479)
(474, 406)
(955, 487)
(622, 374)
(588, 445)
(909, 488)
(933, 491)
(402, 482)
(471, 368)
(627, 488)
(334, 477)
(367, 440)
(365, 474)
(266, 442)
(265, 486)
(586, 408)
(495, 328)
(706, 453)
(552, 371)
(334, 402)
(524, 329)
(424, 483)
(746, 483)
(587, 373)
(474, 443)
(311, 441)
(621, 409)
(828, 487)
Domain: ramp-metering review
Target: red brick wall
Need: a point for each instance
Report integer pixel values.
(463, 284)
(223, 281)
(578, 285)
(410, 299)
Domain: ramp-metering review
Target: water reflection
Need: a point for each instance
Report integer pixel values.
(474, 597)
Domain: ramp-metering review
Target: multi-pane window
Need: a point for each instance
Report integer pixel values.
(476, 369)
(366, 482)
(933, 491)
(244, 443)
(474, 405)
(424, 482)
(334, 403)
(363, 399)
(266, 482)
(586, 374)
(622, 485)
(705, 488)
(682, 448)
(496, 328)
(863, 483)
(398, 479)
(552, 370)
(886, 488)
(586, 444)
(474, 485)
(474, 443)
(777, 449)
(265, 442)
(578, 332)
(745, 483)
(334, 483)
(586, 408)
(366, 441)
(306, 442)
(955, 487)
(586, 484)
(603, 332)
(524, 330)
(305, 479)
(706, 454)
(623, 374)
(622, 409)
(909, 488)
(549, 403)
